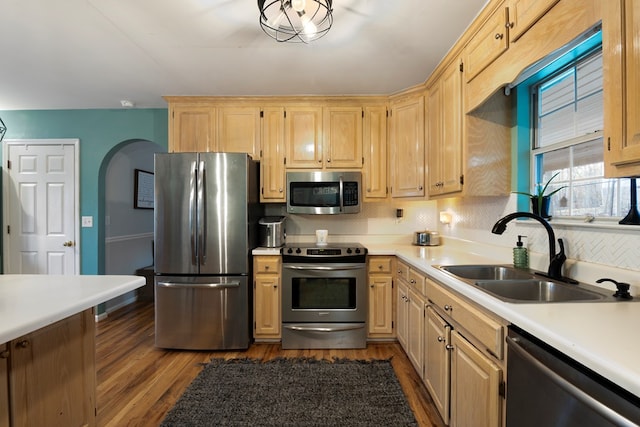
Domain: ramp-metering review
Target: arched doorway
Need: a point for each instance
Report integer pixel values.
(125, 233)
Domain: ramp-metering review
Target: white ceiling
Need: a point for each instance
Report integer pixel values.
(68, 54)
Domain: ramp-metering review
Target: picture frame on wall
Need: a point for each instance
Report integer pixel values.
(143, 189)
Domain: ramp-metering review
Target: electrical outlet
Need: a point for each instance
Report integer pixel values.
(87, 221)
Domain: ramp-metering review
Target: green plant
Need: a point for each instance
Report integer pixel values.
(540, 190)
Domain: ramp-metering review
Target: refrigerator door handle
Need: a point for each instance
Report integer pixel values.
(208, 285)
(193, 219)
(202, 211)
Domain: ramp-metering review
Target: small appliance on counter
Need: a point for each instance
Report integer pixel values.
(426, 238)
(272, 231)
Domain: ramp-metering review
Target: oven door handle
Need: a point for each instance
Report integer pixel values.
(324, 328)
(324, 268)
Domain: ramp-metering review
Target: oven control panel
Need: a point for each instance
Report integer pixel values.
(328, 253)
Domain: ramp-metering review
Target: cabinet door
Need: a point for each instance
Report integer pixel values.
(192, 128)
(4, 386)
(303, 137)
(437, 362)
(52, 374)
(239, 130)
(622, 104)
(487, 44)
(380, 304)
(374, 172)
(415, 334)
(524, 13)
(407, 145)
(267, 306)
(272, 170)
(434, 137)
(452, 129)
(402, 302)
(342, 137)
(475, 386)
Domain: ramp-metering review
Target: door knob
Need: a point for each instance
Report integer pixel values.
(68, 244)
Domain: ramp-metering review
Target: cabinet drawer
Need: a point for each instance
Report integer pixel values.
(417, 281)
(380, 265)
(402, 271)
(483, 328)
(267, 264)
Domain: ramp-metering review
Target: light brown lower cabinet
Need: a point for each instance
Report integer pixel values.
(475, 386)
(266, 298)
(380, 281)
(437, 361)
(51, 375)
(4, 386)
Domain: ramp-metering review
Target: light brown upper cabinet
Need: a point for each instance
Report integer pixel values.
(374, 172)
(491, 41)
(239, 130)
(272, 170)
(342, 137)
(621, 56)
(524, 13)
(324, 138)
(192, 128)
(303, 137)
(445, 130)
(407, 146)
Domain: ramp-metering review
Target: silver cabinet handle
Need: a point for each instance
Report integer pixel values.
(324, 328)
(209, 285)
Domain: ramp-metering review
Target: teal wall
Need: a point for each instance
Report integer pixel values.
(99, 132)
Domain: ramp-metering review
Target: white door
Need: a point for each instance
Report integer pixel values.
(40, 213)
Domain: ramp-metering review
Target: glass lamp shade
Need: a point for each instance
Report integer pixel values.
(297, 21)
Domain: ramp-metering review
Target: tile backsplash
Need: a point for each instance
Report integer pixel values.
(472, 220)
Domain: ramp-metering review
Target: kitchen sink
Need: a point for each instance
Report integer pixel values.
(537, 291)
(517, 285)
(486, 272)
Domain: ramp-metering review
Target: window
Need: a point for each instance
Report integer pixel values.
(568, 141)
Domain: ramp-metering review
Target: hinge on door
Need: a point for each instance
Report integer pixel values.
(502, 389)
(461, 179)
(461, 66)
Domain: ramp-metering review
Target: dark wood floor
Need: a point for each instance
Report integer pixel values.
(138, 383)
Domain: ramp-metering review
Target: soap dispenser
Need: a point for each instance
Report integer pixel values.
(520, 254)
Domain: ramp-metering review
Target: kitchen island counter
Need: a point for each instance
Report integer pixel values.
(31, 302)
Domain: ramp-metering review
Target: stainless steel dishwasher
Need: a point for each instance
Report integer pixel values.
(547, 388)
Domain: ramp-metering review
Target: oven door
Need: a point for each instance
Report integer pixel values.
(324, 293)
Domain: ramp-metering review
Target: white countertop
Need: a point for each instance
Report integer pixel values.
(601, 336)
(30, 302)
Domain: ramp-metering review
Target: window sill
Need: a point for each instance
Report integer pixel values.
(598, 223)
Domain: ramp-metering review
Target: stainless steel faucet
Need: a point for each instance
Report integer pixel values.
(556, 260)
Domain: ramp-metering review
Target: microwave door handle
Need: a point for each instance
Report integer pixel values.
(202, 209)
(193, 219)
(341, 193)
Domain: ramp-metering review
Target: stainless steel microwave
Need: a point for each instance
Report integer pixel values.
(323, 193)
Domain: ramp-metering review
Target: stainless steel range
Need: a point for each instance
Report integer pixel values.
(324, 296)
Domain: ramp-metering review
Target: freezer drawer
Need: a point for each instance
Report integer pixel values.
(202, 313)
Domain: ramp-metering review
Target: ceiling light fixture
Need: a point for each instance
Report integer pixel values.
(295, 20)
(3, 129)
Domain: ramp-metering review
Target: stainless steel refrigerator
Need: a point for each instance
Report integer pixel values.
(206, 223)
